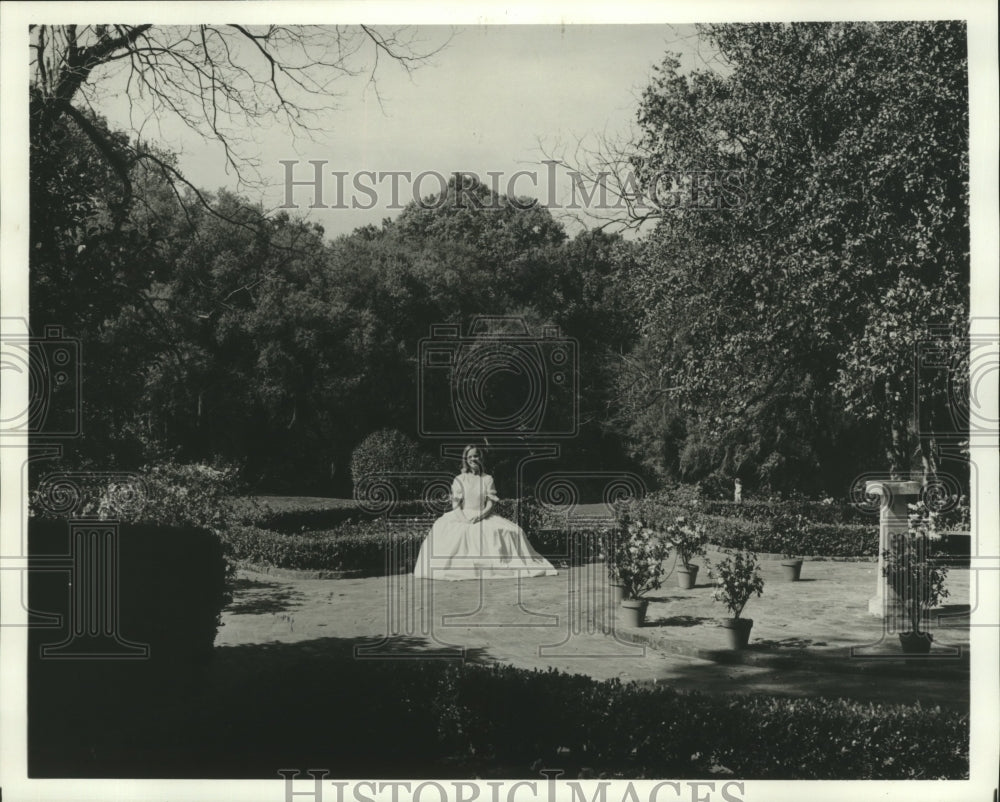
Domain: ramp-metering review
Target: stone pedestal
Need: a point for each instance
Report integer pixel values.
(894, 517)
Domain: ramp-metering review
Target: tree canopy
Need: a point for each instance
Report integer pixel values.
(770, 320)
(816, 236)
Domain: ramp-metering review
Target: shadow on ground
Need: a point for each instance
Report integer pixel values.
(744, 680)
(252, 597)
(254, 709)
(680, 621)
(787, 643)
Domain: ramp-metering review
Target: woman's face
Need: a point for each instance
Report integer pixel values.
(472, 459)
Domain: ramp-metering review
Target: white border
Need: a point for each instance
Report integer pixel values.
(14, 18)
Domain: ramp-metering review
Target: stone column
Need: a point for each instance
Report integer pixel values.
(894, 517)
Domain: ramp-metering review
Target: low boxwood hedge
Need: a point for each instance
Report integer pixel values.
(815, 511)
(812, 540)
(374, 546)
(383, 545)
(357, 542)
(658, 732)
(291, 514)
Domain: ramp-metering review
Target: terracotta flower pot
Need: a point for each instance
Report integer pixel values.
(687, 577)
(791, 569)
(737, 631)
(617, 593)
(632, 612)
(916, 642)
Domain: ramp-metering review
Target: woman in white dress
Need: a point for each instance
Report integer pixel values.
(471, 541)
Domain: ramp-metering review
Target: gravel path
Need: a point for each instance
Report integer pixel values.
(566, 622)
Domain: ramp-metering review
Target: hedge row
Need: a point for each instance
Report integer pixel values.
(379, 546)
(769, 528)
(813, 540)
(285, 514)
(767, 510)
(315, 536)
(363, 545)
(658, 732)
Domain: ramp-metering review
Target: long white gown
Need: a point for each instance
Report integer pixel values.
(493, 548)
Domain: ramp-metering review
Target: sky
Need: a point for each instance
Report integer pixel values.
(495, 99)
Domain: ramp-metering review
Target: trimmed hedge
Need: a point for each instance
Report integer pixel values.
(814, 540)
(293, 517)
(172, 587)
(362, 545)
(290, 514)
(318, 534)
(378, 546)
(767, 527)
(658, 732)
(816, 511)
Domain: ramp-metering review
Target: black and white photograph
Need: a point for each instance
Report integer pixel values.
(431, 402)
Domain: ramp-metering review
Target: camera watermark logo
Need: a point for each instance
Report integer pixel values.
(51, 364)
(85, 502)
(498, 381)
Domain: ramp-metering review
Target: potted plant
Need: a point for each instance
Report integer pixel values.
(637, 555)
(689, 540)
(915, 581)
(737, 577)
(785, 531)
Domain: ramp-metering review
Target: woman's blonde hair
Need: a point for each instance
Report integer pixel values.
(465, 460)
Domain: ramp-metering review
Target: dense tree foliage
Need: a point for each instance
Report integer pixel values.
(765, 329)
(781, 321)
(223, 332)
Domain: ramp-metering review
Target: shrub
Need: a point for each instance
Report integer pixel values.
(737, 578)
(171, 588)
(167, 494)
(390, 451)
(636, 556)
(625, 730)
(813, 539)
(171, 494)
(287, 514)
(689, 539)
(767, 509)
(175, 494)
(371, 546)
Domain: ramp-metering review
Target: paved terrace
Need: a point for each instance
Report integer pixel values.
(810, 638)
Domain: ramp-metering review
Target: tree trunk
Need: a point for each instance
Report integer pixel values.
(928, 457)
(896, 451)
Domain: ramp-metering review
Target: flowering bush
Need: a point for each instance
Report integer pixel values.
(737, 578)
(168, 494)
(637, 553)
(174, 494)
(909, 570)
(785, 531)
(688, 539)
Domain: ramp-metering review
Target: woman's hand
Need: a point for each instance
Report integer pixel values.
(487, 511)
